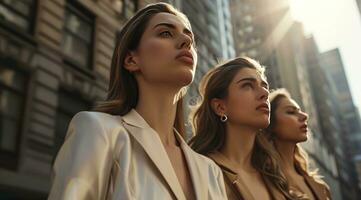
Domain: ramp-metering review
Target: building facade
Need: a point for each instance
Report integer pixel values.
(54, 62)
(358, 2)
(332, 64)
(329, 117)
(258, 27)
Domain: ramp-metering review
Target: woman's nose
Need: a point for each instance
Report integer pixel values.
(304, 116)
(264, 92)
(185, 42)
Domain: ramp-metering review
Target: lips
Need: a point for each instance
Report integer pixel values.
(304, 128)
(264, 107)
(185, 57)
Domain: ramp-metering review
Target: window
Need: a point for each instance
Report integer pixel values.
(129, 8)
(77, 41)
(249, 29)
(354, 125)
(117, 5)
(12, 100)
(125, 8)
(340, 82)
(69, 104)
(18, 13)
(248, 18)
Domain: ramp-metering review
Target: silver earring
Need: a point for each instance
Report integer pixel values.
(224, 118)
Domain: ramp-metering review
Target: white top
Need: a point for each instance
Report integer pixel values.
(121, 157)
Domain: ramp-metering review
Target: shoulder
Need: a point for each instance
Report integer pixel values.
(92, 116)
(212, 166)
(97, 118)
(325, 186)
(319, 180)
(97, 123)
(321, 184)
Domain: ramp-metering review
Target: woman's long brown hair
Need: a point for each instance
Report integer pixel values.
(123, 88)
(300, 155)
(210, 132)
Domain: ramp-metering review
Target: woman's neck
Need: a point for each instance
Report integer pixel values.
(286, 151)
(158, 107)
(238, 146)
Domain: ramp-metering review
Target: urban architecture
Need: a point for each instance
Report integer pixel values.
(54, 62)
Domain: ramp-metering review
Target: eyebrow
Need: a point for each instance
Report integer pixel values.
(172, 26)
(293, 107)
(252, 80)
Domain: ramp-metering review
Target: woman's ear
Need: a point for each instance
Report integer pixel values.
(131, 62)
(218, 106)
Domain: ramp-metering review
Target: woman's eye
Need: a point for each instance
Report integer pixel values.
(291, 112)
(247, 85)
(166, 34)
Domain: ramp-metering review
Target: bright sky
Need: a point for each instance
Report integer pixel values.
(335, 23)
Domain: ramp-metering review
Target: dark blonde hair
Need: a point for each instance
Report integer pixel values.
(210, 132)
(300, 155)
(123, 88)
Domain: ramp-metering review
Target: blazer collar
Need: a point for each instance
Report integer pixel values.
(317, 188)
(229, 170)
(197, 169)
(148, 138)
(152, 145)
(133, 118)
(224, 162)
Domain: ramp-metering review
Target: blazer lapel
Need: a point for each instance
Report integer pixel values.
(317, 188)
(197, 169)
(229, 171)
(275, 193)
(152, 145)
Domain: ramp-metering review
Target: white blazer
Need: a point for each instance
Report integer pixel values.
(121, 157)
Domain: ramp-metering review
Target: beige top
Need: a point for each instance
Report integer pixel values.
(236, 188)
(121, 157)
(320, 190)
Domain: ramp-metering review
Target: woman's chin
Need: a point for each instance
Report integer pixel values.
(262, 124)
(185, 77)
(303, 139)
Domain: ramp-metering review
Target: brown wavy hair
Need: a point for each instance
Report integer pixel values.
(123, 88)
(210, 132)
(300, 155)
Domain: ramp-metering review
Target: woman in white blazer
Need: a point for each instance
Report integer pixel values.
(131, 147)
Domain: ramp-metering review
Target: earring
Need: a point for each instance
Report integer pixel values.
(224, 118)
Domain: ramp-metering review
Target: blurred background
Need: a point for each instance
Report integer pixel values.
(55, 59)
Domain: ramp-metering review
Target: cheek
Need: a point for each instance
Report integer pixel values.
(239, 105)
(153, 57)
(158, 64)
(155, 51)
(286, 127)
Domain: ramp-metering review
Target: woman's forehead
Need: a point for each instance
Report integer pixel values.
(169, 18)
(286, 102)
(251, 73)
